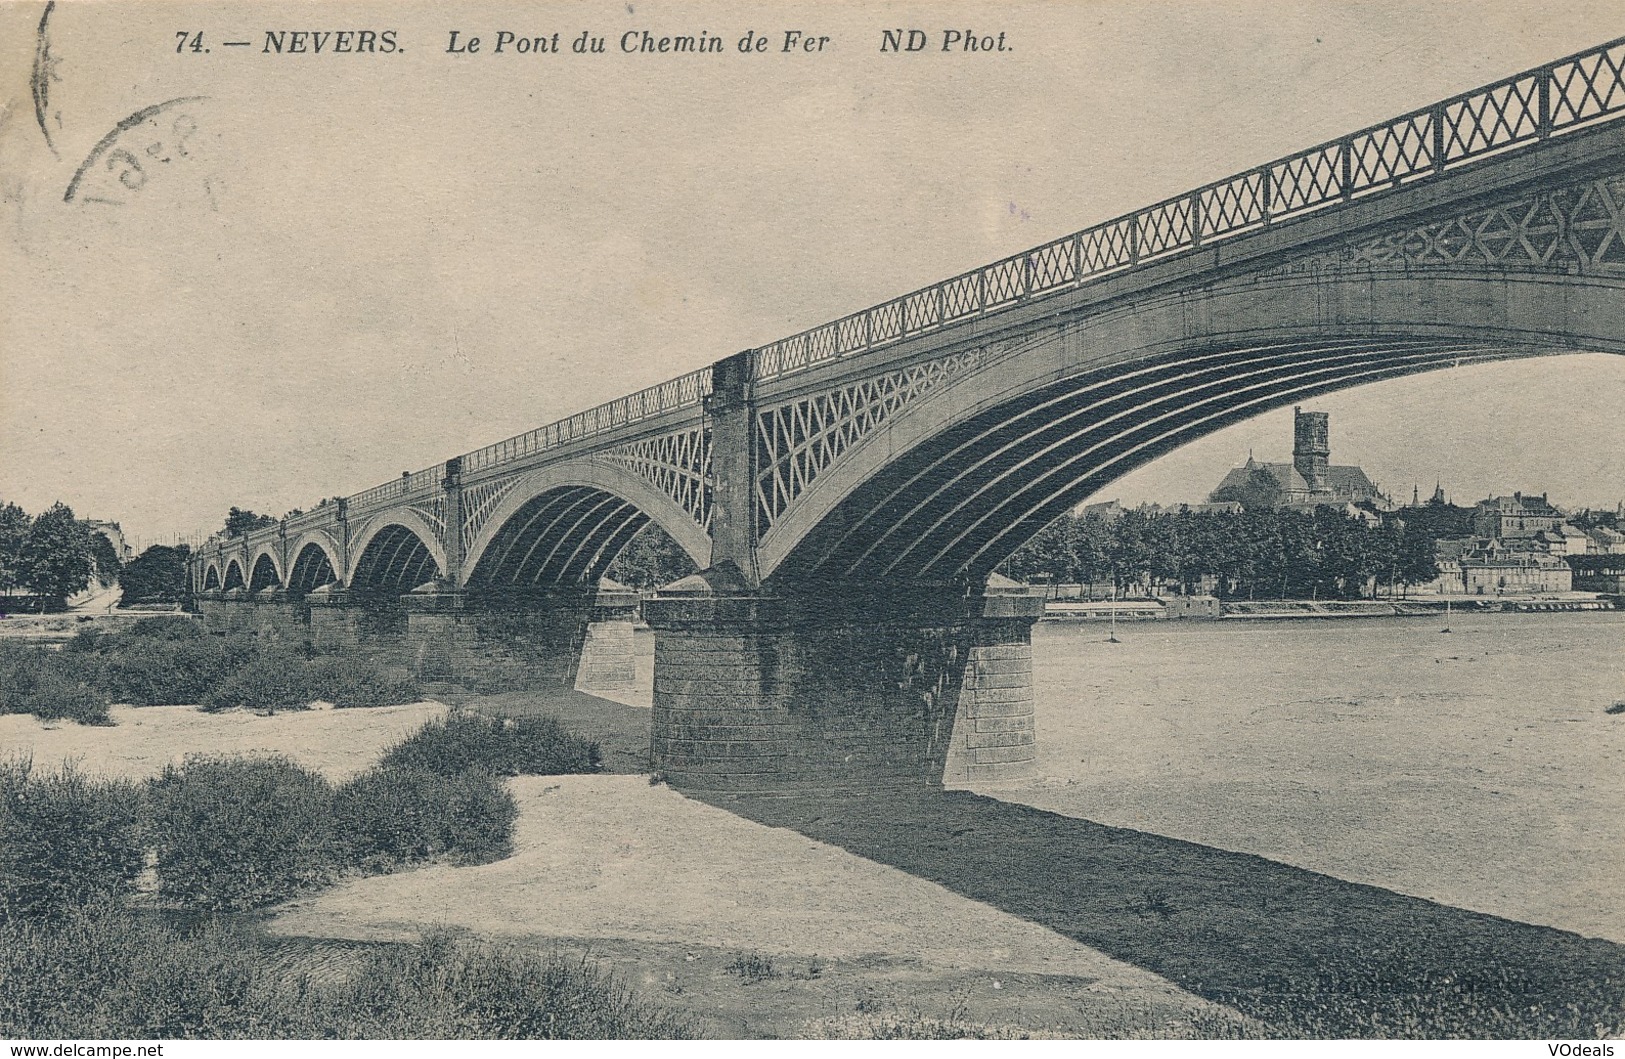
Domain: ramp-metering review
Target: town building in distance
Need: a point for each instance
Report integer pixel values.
(1517, 544)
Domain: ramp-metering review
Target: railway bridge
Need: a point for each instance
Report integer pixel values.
(848, 491)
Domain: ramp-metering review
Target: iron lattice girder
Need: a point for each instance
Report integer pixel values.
(798, 439)
(479, 501)
(1576, 228)
(677, 464)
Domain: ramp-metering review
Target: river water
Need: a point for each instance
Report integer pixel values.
(1477, 768)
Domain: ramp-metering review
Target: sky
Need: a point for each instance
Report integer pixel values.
(337, 267)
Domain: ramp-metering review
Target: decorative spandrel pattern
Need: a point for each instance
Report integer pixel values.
(478, 503)
(434, 513)
(1577, 228)
(1596, 225)
(678, 465)
(797, 440)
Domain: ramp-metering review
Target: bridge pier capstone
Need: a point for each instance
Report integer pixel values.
(842, 689)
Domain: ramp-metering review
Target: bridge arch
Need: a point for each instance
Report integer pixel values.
(565, 525)
(953, 483)
(211, 578)
(315, 563)
(264, 573)
(397, 552)
(233, 577)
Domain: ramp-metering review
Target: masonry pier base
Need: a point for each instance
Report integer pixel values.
(335, 621)
(843, 689)
(513, 639)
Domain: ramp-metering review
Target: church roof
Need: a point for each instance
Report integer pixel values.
(1286, 477)
(1345, 481)
(1350, 481)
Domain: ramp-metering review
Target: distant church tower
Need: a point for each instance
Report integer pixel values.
(1312, 447)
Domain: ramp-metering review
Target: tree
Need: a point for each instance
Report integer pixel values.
(103, 557)
(1129, 553)
(14, 523)
(56, 555)
(1417, 561)
(240, 522)
(1048, 556)
(157, 575)
(651, 559)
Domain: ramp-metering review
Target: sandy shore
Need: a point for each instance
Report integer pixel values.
(675, 893)
(141, 741)
(678, 889)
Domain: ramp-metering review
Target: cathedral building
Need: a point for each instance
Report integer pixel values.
(1310, 480)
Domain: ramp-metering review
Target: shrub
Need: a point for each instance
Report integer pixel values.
(64, 839)
(235, 833)
(542, 746)
(505, 746)
(271, 681)
(60, 697)
(106, 972)
(101, 972)
(20, 669)
(156, 661)
(393, 816)
(351, 682)
(50, 684)
(164, 671)
(86, 641)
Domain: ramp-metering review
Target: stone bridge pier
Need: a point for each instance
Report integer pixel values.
(841, 688)
(577, 636)
(498, 639)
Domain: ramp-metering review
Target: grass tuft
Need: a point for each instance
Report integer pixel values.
(102, 972)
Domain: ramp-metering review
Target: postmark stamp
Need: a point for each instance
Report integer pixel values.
(143, 148)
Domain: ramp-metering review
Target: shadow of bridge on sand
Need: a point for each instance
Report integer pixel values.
(1309, 954)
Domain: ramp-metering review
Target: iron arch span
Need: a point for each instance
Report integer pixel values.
(959, 480)
(313, 567)
(394, 560)
(565, 526)
(564, 536)
(234, 576)
(211, 578)
(264, 574)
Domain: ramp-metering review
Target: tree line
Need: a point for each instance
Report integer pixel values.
(52, 555)
(1251, 554)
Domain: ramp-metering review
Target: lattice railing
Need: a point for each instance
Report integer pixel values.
(407, 486)
(685, 391)
(1507, 115)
